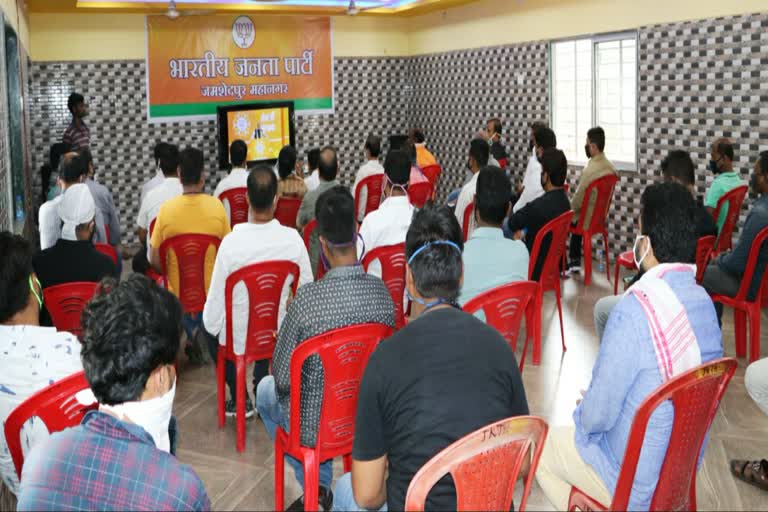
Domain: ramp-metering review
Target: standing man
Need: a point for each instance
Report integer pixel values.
(478, 158)
(371, 167)
(726, 179)
(493, 131)
(597, 167)
(77, 135)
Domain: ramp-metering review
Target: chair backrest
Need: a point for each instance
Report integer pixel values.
(107, 250)
(392, 259)
(106, 232)
(484, 465)
(308, 230)
(557, 228)
(432, 172)
(749, 270)
(287, 211)
(420, 193)
(505, 307)
(190, 251)
(264, 282)
(237, 199)
(344, 354)
(469, 211)
(695, 397)
(54, 405)
(704, 246)
(373, 186)
(603, 187)
(66, 302)
(733, 199)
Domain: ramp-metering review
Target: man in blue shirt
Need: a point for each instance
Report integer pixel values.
(490, 260)
(589, 454)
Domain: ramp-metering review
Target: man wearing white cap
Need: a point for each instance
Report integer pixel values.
(74, 258)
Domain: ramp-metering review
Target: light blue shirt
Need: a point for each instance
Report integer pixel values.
(490, 260)
(625, 374)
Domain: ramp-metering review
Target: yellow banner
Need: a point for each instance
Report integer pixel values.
(196, 63)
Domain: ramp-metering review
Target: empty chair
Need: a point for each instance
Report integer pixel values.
(373, 187)
(287, 211)
(420, 193)
(236, 202)
(190, 253)
(733, 201)
(392, 260)
(65, 303)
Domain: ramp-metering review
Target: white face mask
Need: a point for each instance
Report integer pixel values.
(639, 261)
(152, 415)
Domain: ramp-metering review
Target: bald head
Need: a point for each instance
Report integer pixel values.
(72, 168)
(329, 164)
(722, 155)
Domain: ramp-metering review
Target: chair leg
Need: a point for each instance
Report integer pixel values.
(240, 404)
(279, 475)
(740, 328)
(560, 314)
(607, 257)
(616, 279)
(348, 463)
(587, 258)
(220, 384)
(754, 334)
(311, 480)
(536, 331)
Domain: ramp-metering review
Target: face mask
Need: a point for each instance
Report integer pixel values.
(151, 415)
(639, 260)
(392, 187)
(586, 150)
(714, 167)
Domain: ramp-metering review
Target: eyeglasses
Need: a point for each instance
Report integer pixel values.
(37, 289)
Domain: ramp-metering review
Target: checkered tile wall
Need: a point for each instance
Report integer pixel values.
(370, 97)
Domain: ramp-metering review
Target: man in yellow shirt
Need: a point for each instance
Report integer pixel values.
(423, 156)
(193, 212)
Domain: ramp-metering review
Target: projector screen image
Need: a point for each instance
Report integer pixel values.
(265, 129)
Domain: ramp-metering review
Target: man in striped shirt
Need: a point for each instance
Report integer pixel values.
(77, 134)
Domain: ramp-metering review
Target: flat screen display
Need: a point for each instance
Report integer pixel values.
(265, 129)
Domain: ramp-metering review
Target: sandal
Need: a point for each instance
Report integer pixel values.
(754, 472)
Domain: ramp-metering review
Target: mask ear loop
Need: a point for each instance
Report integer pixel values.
(38, 296)
(357, 236)
(436, 302)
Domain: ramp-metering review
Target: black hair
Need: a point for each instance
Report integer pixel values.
(678, 164)
(496, 122)
(544, 137)
(286, 161)
(397, 167)
(335, 214)
(87, 157)
(54, 157)
(596, 136)
(15, 269)
(410, 149)
(191, 166)
(74, 100)
(667, 213)
(262, 187)
(763, 162)
(129, 330)
(554, 163)
(238, 152)
(373, 145)
(169, 160)
(536, 125)
(71, 167)
(328, 166)
(437, 269)
(157, 151)
(493, 194)
(726, 149)
(313, 158)
(417, 135)
(479, 150)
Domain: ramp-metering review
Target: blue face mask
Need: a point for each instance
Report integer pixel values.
(714, 167)
(436, 302)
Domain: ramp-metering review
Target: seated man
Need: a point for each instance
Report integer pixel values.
(677, 167)
(105, 204)
(312, 181)
(536, 214)
(416, 175)
(726, 179)
(493, 135)
(424, 157)
(597, 167)
(666, 308)
(490, 260)
(261, 239)
(290, 185)
(193, 212)
(371, 167)
(345, 296)
(33, 357)
(444, 375)
(724, 275)
(478, 158)
(755, 472)
(542, 138)
(238, 156)
(158, 178)
(389, 224)
(118, 457)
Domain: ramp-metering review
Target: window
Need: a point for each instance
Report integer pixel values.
(594, 83)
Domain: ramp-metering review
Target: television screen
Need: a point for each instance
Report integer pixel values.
(264, 127)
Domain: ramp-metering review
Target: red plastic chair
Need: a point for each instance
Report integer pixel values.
(106, 232)
(308, 230)
(54, 405)
(503, 162)
(344, 354)
(626, 260)
(237, 198)
(704, 246)
(264, 283)
(432, 172)
(732, 200)
(107, 250)
(469, 211)
(392, 260)
(549, 279)
(287, 211)
(604, 188)
(151, 272)
(66, 302)
(484, 466)
(420, 193)
(504, 307)
(373, 185)
(190, 251)
(745, 309)
(695, 396)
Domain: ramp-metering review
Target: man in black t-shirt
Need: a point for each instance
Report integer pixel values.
(443, 376)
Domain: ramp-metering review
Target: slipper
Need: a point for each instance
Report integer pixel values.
(754, 472)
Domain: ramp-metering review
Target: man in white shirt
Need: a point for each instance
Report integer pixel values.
(33, 357)
(158, 178)
(478, 158)
(261, 239)
(312, 181)
(150, 207)
(238, 154)
(542, 138)
(371, 167)
(389, 224)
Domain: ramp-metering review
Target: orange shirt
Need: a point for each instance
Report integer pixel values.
(424, 157)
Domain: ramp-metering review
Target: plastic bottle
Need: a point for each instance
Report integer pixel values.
(19, 208)
(600, 261)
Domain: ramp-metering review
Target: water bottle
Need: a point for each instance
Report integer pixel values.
(600, 261)
(19, 208)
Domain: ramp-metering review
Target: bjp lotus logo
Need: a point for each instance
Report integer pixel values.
(243, 32)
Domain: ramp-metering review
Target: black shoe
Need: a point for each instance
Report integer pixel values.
(230, 408)
(325, 502)
(194, 353)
